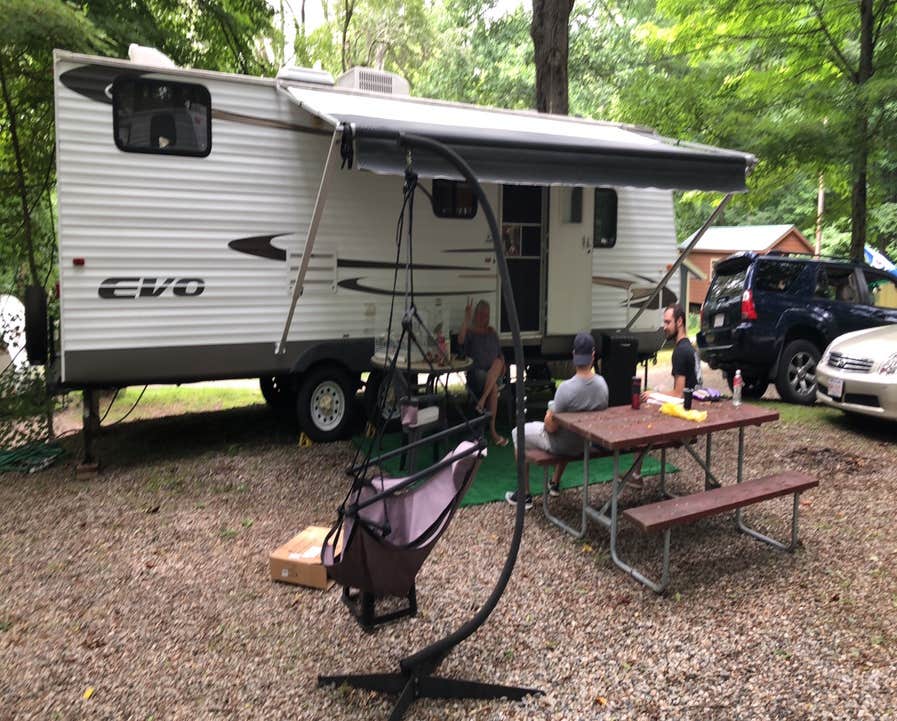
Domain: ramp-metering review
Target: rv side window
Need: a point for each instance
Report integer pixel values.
(453, 199)
(605, 218)
(161, 116)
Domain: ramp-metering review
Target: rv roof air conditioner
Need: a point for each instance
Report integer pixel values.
(314, 76)
(371, 80)
(142, 55)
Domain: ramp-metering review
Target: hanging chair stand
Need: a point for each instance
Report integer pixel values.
(415, 678)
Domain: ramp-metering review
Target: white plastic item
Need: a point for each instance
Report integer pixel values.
(736, 389)
(142, 55)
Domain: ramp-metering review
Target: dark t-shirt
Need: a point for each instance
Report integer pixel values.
(481, 348)
(685, 362)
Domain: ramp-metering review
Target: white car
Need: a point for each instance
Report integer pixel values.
(858, 373)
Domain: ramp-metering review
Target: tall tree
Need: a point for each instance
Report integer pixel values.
(807, 85)
(550, 30)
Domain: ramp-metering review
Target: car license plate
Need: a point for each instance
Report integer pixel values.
(836, 388)
(719, 320)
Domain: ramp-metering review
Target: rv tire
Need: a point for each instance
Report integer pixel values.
(325, 402)
(279, 392)
(383, 410)
(36, 328)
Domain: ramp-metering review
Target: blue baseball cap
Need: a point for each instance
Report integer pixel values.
(583, 347)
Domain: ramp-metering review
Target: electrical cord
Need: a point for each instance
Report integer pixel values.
(109, 408)
(131, 409)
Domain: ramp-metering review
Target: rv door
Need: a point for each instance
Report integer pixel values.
(569, 260)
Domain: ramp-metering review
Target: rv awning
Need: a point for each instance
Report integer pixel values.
(505, 146)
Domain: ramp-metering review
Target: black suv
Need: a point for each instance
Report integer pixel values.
(773, 315)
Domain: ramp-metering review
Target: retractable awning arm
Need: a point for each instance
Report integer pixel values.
(681, 259)
(330, 165)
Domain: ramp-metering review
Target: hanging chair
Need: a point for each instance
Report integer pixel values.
(388, 528)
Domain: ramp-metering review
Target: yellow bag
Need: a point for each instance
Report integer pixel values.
(674, 409)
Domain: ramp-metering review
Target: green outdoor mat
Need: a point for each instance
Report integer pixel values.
(498, 475)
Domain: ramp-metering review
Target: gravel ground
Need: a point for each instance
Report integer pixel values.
(149, 584)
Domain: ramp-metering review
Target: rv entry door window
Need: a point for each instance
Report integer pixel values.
(161, 116)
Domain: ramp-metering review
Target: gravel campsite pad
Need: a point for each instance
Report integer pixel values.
(143, 593)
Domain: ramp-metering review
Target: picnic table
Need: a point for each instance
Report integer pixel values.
(624, 429)
(433, 369)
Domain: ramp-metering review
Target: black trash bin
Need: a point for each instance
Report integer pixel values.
(619, 358)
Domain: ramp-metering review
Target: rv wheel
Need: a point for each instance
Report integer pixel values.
(279, 392)
(324, 405)
(36, 328)
(381, 394)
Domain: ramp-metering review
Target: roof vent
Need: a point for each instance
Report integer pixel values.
(374, 81)
(313, 76)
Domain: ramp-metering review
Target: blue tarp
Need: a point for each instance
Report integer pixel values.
(879, 260)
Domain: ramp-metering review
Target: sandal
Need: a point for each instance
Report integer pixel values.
(501, 441)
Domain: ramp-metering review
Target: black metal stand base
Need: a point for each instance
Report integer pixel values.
(409, 688)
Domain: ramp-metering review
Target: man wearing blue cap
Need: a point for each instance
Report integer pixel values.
(585, 391)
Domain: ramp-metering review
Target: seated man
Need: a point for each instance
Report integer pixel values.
(481, 345)
(585, 391)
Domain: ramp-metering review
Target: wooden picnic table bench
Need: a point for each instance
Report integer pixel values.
(622, 429)
(671, 512)
(667, 514)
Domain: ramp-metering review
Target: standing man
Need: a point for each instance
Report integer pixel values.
(585, 391)
(686, 364)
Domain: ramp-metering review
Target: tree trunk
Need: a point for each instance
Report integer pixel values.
(861, 141)
(858, 193)
(550, 31)
(349, 8)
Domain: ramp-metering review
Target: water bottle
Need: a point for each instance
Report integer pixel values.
(736, 389)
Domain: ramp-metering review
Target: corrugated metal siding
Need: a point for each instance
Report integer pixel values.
(136, 215)
(646, 246)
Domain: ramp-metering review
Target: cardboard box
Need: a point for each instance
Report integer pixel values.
(299, 560)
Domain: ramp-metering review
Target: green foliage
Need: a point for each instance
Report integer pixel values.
(481, 56)
(225, 35)
(606, 55)
(28, 34)
(780, 80)
(393, 35)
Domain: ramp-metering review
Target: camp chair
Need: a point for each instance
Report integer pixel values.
(421, 416)
(388, 526)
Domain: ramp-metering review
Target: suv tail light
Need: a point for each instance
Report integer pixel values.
(748, 310)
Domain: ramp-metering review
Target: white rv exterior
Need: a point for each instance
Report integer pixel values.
(179, 268)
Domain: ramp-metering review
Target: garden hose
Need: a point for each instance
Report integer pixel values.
(29, 458)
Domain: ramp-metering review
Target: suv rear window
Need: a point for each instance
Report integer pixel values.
(777, 276)
(727, 285)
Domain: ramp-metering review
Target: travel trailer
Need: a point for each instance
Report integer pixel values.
(218, 226)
